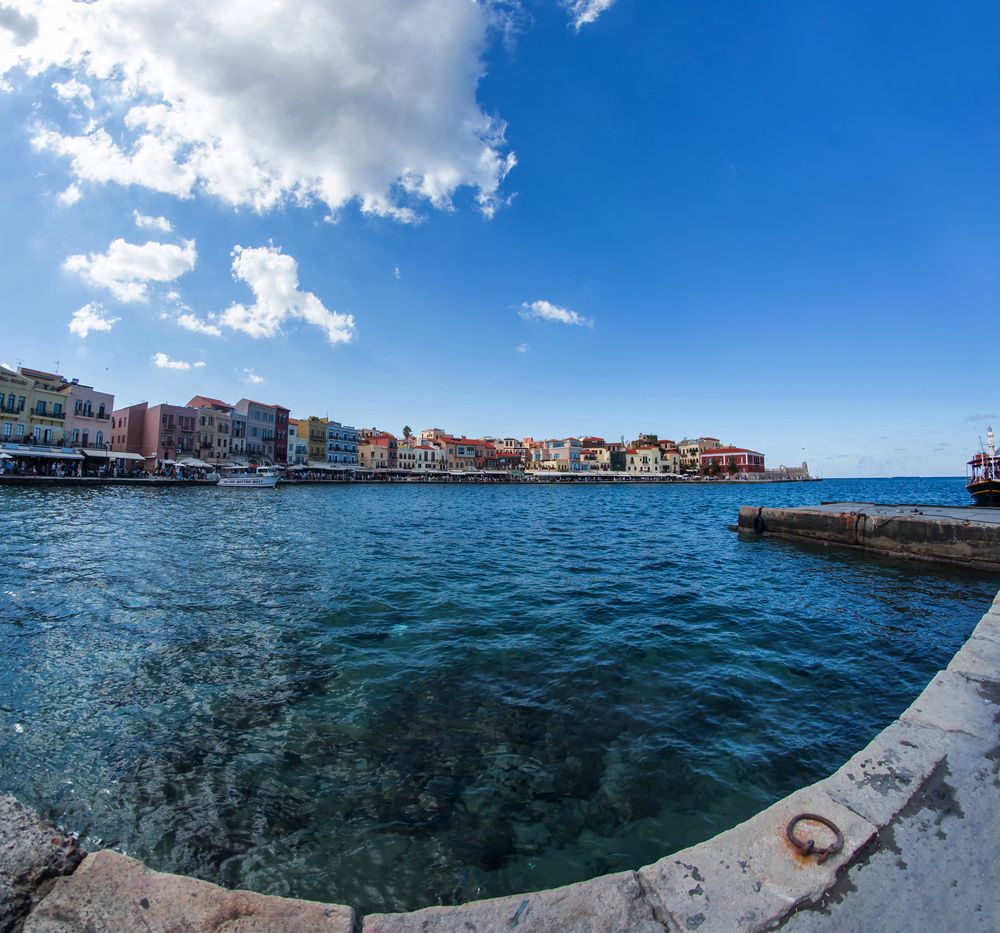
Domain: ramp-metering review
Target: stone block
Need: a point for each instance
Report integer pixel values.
(110, 893)
(989, 625)
(609, 904)
(954, 703)
(749, 877)
(882, 778)
(32, 853)
(979, 657)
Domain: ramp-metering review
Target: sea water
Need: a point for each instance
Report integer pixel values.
(398, 695)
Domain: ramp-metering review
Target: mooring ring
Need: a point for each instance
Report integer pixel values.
(809, 846)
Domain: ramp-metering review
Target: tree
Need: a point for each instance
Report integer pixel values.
(407, 432)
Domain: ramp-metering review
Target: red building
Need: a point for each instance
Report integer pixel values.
(731, 460)
(281, 434)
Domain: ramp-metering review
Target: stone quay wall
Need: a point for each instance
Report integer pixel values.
(967, 537)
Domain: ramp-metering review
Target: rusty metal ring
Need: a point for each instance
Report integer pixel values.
(809, 846)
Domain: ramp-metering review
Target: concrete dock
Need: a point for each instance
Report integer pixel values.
(966, 537)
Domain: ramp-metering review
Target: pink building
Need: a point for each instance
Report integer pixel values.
(88, 417)
(163, 432)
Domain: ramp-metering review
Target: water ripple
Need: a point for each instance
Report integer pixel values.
(392, 697)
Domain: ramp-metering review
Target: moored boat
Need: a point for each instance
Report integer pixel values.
(984, 475)
(261, 478)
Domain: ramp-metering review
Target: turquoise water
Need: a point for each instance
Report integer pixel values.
(398, 695)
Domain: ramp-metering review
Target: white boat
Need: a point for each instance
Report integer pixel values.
(261, 478)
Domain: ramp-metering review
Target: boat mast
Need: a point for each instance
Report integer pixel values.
(991, 440)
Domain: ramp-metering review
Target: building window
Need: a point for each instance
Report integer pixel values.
(6, 430)
(19, 431)
(100, 438)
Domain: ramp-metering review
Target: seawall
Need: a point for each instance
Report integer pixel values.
(968, 537)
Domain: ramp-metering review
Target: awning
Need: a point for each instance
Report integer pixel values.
(121, 455)
(47, 454)
(194, 462)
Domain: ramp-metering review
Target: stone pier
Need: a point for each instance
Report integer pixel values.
(967, 537)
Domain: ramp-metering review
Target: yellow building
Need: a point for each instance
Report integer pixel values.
(34, 406)
(313, 431)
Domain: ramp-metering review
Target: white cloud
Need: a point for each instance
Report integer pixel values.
(152, 223)
(586, 11)
(370, 101)
(523, 347)
(89, 318)
(197, 325)
(396, 274)
(273, 278)
(70, 195)
(253, 378)
(164, 362)
(546, 311)
(127, 268)
(68, 91)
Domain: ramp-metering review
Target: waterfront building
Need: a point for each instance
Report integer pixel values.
(281, 415)
(15, 400)
(260, 428)
(419, 458)
(512, 454)
(561, 454)
(731, 461)
(237, 437)
(341, 444)
(690, 451)
(34, 406)
(88, 417)
(670, 458)
(214, 428)
(617, 456)
(391, 445)
(644, 458)
(158, 433)
(313, 430)
(298, 447)
(373, 453)
(595, 459)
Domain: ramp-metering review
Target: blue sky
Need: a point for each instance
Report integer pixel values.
(771, 223)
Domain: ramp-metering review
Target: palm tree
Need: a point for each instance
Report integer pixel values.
(407, 432)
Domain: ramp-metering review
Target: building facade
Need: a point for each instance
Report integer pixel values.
(158, 433)
(260, 427)
(214, 428)
(88, 417)
(731, 461)
(341, 444)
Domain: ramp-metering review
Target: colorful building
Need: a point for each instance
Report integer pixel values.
(731, 461)
(214, 428)
(298, 447)
(341, 444)
(158, 433)
(690, 451)
(88, 417)
(260, 430)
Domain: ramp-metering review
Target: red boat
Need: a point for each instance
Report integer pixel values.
(984, 475)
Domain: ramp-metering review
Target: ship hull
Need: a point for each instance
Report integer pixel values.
(985, 492)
